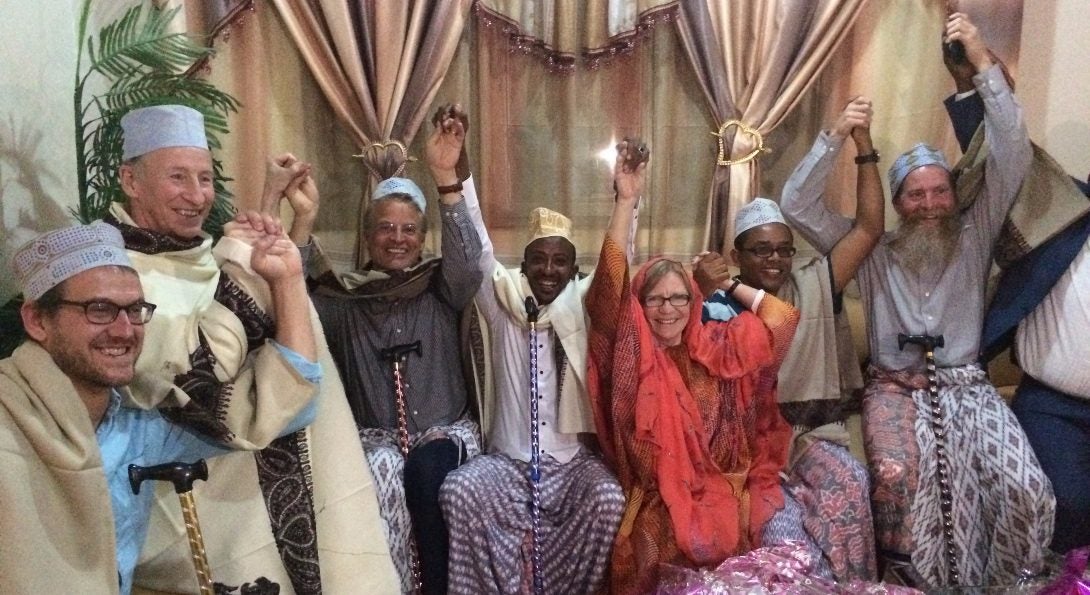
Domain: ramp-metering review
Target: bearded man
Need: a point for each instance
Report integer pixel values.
(959, 497)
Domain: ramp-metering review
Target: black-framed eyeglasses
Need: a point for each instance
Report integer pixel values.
(766, 251)
(104, 312)
(677, 300)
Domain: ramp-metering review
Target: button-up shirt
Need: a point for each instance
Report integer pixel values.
(945, 301)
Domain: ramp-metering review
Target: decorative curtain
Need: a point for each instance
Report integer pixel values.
(754, 61)
(537, 138)
(379, 63)
(560, 31)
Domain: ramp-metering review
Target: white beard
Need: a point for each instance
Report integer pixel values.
(920, 248)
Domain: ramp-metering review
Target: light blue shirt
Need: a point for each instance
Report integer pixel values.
(129, 436)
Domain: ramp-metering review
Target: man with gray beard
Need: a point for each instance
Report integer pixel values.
(958, 496)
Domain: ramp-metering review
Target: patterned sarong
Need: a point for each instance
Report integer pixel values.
(1003, 505)
(831, 491)
(488, 502)
(388, 468)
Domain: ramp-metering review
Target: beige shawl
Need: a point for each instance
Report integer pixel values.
(821, 364)
(55, 516)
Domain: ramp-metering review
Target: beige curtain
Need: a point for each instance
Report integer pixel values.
(537, 137)
(378, 62)
(561, 31)
(754, 61)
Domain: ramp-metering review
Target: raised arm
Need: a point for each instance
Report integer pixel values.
(276, 260)
(629, 175)
(850, 251)
(803, 203)
(1009, 150)
(463, 239)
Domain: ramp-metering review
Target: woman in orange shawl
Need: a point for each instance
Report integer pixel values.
(686, 413)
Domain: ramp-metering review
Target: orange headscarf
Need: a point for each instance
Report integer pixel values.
(704, 507)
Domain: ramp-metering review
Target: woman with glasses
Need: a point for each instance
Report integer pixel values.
(686, 413)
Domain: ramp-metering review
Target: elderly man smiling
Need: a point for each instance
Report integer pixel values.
(302, 511)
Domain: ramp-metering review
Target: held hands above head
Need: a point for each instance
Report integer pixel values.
(281, 172)
(288, 177)
(629, 171)
(275, 257)
(711, 272)
(959, 28)
(855, 120)
(445, 150)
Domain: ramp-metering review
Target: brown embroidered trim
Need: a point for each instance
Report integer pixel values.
(257, 324)
(207, 410)
(147, 241)
(261, 586)
(283, 470)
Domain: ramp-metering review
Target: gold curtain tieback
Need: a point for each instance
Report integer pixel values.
(721, 158)
(373, 153)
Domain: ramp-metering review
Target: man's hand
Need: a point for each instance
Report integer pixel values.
(710, 271)
(629, 171)
(281, 172)
(303, 197)
(445, 147)
(960, 28)
(275, 257)
(857, 114)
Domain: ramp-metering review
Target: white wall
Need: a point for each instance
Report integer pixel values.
(1054, 79)
(37, 158)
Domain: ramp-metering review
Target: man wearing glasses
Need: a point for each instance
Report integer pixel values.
(74, 523)
(402, 307)
(826, 491)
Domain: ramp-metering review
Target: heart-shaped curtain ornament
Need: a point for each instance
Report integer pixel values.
(757, 142)
(385, 159)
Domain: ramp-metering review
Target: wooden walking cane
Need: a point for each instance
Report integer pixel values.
(397, 355)
(182, 475)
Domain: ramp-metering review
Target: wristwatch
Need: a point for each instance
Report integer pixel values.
(871, 157)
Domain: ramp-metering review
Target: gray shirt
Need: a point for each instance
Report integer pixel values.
(357, 329)
(948, 301)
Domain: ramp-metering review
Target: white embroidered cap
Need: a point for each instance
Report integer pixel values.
(44, 262)
(757, 213)
(160, 126)
(403, 186)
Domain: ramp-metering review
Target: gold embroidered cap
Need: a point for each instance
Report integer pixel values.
(547, 224)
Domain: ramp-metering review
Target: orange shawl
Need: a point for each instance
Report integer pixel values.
(693, 432)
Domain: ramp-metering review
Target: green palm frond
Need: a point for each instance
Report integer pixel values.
(145, 64)
(134, 41)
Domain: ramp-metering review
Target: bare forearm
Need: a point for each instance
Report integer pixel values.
(291, 308)
(620, 222)
(302, 226)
